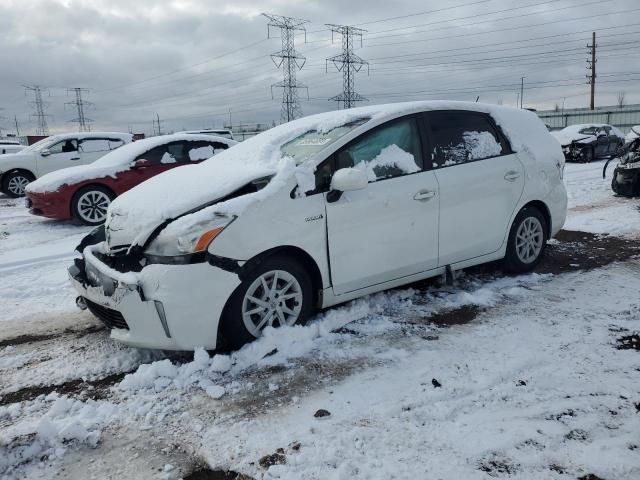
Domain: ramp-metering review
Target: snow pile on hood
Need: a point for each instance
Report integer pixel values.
(112, 163)
(632, 134)
(136, 213)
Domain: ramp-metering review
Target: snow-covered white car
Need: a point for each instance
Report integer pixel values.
(588, 142)
(10, 146)
(317, 212)
(53, 153)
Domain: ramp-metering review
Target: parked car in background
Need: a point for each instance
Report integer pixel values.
(223, 132)
(588, 142)
(85, 192)
(317, 212)
(10, 146)
(54, 153)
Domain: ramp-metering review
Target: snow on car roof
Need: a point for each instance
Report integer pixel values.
(116, 161)
(142, 208)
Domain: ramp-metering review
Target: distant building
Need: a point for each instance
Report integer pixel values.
(622, 117)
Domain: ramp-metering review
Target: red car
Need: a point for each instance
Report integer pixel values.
(84, 192)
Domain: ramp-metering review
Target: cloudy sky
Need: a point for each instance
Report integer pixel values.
(191, 61)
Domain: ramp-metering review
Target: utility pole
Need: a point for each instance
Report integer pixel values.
(591, 65)
(348, 63)
(43, 128)
(15, 118)
(154, 125)
(521, 91)
(290, 61)
(80, 104)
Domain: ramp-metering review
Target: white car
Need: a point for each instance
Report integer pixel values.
(10, 146)
(317, 212)
(53, 153)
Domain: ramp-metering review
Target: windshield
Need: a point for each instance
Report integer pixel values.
(36, 147)
(308, 144)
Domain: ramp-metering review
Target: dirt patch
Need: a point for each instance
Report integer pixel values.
(457, 316)
(629, 342)
(497, 465)
(22, 339)
(94, 390)
(206, 474)
(572, 251)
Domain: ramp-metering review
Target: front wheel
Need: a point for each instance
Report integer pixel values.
(14, 184)
(90, 204)
(527, 240)
(277, 292)
(588, 155)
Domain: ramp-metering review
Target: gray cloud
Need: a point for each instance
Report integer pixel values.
(143, 57)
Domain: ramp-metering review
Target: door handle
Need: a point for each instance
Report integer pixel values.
(424, 195)
(74, 158)
(511, 176)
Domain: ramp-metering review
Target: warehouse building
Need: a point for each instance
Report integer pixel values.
(622, 117)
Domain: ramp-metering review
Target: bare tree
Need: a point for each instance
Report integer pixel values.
(621, 99)
(556, 108)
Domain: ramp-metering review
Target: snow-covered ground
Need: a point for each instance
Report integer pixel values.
(510, 377)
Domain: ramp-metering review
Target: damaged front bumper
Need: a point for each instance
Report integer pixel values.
(169, 307)
(626, 180)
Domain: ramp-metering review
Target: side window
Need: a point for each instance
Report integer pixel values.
(200, 150)
(155, 155)
(460, 137)
(64, 146)
(391, 150)
(115, 143)
(175, 152)
(91, 145)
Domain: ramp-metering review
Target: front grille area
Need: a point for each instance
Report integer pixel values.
(111, 318)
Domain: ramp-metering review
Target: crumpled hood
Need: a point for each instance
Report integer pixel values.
(566, 138)
(134, 216)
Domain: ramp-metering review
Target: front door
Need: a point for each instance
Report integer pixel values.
(480, 181)
(389, 229)
(62, 154)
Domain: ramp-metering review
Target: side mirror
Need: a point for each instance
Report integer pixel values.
(347, 180)
(45, 152)
(142, 163)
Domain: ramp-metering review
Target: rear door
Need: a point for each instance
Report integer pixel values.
(389, 229)
(480, 179)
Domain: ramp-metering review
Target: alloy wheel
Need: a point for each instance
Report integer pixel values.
(273, 299)
(17, 184)
(92, 206)
(529, 239)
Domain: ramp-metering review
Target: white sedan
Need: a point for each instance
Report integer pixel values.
(317, 212)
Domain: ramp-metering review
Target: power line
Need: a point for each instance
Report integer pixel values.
(348, 63)
(290, 61)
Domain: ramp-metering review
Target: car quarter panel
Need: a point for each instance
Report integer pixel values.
(278, 221)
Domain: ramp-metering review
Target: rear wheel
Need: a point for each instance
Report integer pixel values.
(14, 183)
(90, 204)
(277, 292)
(527, 240)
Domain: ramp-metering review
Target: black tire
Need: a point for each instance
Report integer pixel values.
(81, 215)
(9, 183)
(589, 155)
(233, 333)
(512, 261)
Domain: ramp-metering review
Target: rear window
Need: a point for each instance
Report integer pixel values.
(460, 137)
